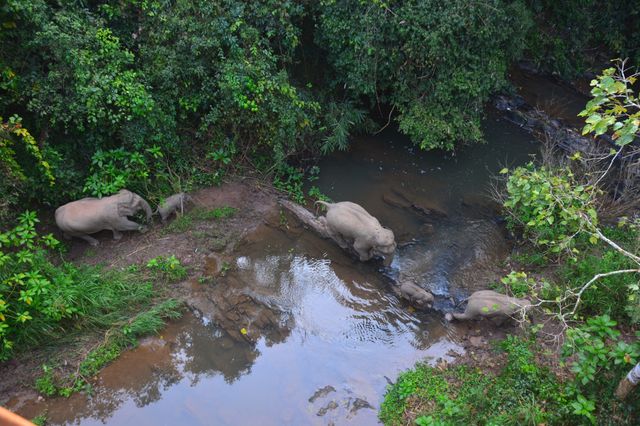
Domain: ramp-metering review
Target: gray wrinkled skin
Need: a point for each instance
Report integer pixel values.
(89, 215)
(490, 304)
(348, 221)
(171, 205)
(415, 294)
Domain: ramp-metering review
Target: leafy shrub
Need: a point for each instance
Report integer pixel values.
(116, 169)
(567, 33)
(615, 295)
(290, 180)
(600, 359)
(549, 207)
(32, 292)
(14, 138)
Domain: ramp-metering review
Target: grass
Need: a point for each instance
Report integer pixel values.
(119, 305)
(522, 393)
(186, 221)
(40, 420)
(117, 339)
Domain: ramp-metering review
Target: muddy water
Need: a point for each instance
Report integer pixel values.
(297, 332)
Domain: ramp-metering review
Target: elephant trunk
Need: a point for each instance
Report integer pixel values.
(387, 259)
(146, 208)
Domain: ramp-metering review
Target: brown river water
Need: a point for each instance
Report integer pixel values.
(331, 335)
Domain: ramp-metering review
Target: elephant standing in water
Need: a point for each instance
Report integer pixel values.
(347, 221)
(90, 215)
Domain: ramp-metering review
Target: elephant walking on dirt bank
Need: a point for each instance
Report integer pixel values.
(347, 221)
(89, 215)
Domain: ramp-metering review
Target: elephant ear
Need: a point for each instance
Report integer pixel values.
(125, 209)
(124, 200)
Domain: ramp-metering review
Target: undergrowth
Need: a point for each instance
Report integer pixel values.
(523, 392)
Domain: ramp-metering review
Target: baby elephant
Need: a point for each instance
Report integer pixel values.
(414, 294)
(347, 221)
(89, 215)
(489, 304)
(171, 205)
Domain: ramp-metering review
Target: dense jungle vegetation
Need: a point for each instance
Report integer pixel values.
(160, 96)
(154, 95)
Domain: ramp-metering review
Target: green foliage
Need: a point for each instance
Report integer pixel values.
(12, 169)
(116, 169)
(600, 358)
(568, 32)
(290, 180)
(517, 284)
(45, 384)
(615, 295)
(550, 207)
(223, 212)
(40, 301)
(40, 420)
(434, 63)
(168, 268)
(615, 106)
(32, 290)
(522, 393)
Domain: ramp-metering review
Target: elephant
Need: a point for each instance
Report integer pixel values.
(490, 304)
(414, 294)
(171, 205)
(346, 221)
(89, 215)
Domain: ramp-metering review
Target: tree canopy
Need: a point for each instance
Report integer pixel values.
(260, 82)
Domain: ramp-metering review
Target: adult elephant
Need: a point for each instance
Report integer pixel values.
(89, 215)
(349, 222)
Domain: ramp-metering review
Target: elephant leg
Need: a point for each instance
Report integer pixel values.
(338, 239)
(89, 239)
(116, 234)
(362, 248)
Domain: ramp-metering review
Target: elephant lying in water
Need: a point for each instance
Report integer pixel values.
(90, 215)
(490, 304)
(347, 221)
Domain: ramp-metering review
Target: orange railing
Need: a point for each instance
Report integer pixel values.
(7, 418)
